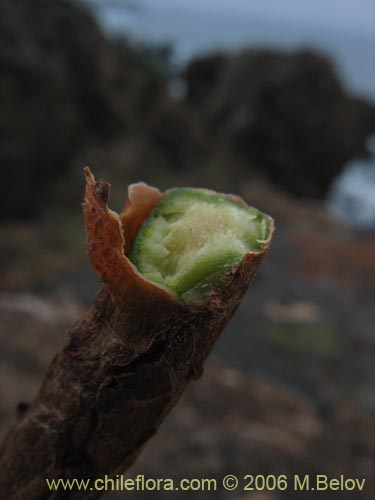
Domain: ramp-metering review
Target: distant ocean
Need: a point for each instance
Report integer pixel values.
(342, 29)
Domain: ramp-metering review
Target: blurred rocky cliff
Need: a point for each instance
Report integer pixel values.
(64, 87)
(286, 113)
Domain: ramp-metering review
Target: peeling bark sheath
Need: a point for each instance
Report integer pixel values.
(127, 361)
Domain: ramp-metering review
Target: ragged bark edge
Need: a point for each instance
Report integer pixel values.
(127, 361)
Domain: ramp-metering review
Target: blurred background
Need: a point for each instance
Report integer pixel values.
(270, 100)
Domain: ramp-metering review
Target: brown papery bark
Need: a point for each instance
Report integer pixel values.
(126, 363)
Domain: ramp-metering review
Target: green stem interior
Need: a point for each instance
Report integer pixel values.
(193, 237)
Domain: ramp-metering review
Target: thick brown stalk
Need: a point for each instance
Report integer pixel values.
(127, 361)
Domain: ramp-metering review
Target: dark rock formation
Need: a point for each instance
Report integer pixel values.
(61, 81)
(288, 113)
(65, 87)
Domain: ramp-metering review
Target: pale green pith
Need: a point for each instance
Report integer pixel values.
(193, 237)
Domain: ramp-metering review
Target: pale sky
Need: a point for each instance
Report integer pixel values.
(354, 15)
